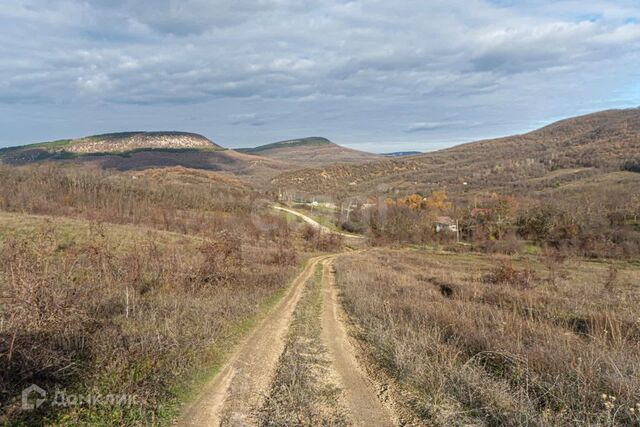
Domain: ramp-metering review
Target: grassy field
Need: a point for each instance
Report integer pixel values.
(138, 283)
(479, 340)
(104, 309)
(321, 214)
(115, 286)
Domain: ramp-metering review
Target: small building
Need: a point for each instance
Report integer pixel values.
(445, 223)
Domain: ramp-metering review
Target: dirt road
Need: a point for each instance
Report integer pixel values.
(315, 223)
(240, 385)
(365, 409)
(238, 391)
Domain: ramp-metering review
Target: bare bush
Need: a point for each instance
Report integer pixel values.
(221, 259)
(285, 253)
(319, 240)
(506, 274)
(554, 259)
(612, 278)
(497, 355)
(91, 306)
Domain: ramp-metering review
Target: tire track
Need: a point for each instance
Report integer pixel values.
(244, 379)
(365, 408)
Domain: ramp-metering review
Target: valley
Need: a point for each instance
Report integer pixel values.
(586, 146)
(336, 213)
(303, 283)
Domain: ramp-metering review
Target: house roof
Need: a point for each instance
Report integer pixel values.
(445, 220)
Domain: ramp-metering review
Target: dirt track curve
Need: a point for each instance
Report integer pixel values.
(242, 383)
(315, 223)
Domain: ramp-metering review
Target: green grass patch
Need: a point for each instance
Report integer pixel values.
(533, 248)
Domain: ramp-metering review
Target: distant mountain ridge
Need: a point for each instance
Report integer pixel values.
(402, 153)
(310, 141)
(564, 151)
(135, 151)
(128, 141)
(311, 151)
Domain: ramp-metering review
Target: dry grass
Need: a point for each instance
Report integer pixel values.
(533, 345)
(130, 287)
(317, 240)
(596, 144)
(175, 199)
(84, 311)
(301, 392)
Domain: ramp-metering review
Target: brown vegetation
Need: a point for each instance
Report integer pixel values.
(144, 290)
(505, 224)
(513, 350)
(565, 152)
(137, 282)
(178, 203)
(317, 239)
(310, 152)
(302, 391)
(247, 167)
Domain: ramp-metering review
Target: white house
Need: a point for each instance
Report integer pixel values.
(445, 223)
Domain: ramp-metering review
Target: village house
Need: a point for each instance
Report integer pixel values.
(445, 223)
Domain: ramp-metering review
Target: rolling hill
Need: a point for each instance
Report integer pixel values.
(127, 151)
(128, 141)
(122, 142)
(313, 151)
(563, 152)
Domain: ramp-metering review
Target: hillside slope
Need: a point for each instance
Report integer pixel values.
(144, 150)
(313, 151)
(121, 142)
(226, 161)
(565, 151)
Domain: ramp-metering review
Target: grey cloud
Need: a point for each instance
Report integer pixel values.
(239, 59)
(250, 119)
(327, 63)
(189, 17)
(433, 126)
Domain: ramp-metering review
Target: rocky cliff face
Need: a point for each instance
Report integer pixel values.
(138, 140)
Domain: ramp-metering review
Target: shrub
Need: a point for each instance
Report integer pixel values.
(221, 258)
(631, 166)
(319, 240)
(505, 274)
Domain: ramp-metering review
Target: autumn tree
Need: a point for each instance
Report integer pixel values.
(438, 201)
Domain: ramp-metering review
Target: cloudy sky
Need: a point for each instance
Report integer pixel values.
(377, 75)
